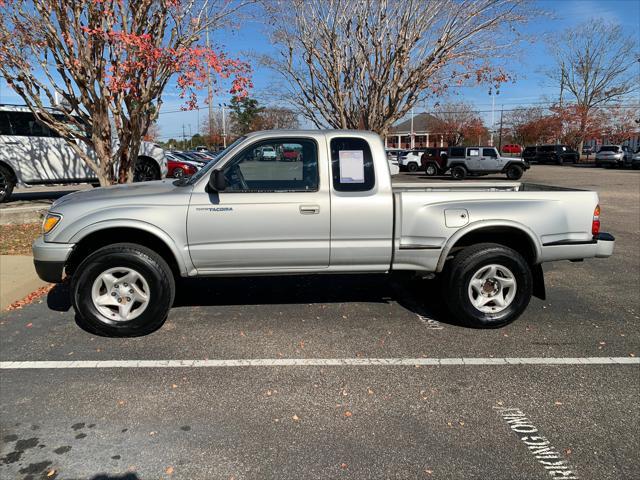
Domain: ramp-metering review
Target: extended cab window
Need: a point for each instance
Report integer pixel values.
(352, 165)
(5, 126)
(277, 165)
(473, 152)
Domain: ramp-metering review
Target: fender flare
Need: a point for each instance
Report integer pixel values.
(183, 260)
(472, 227)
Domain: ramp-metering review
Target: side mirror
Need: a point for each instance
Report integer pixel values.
(217, 182)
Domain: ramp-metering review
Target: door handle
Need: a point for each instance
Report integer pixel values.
(309, 209)
(10, 143)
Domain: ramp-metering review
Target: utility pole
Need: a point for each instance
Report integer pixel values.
(184, 140)
(493, 117)
(209, 97)
(224, 129)
(190, 138)
(413, 143)
(560, 102)
(500, 137)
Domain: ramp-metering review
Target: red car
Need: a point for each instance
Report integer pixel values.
(513, 149)
(290, 155)
(179, 169)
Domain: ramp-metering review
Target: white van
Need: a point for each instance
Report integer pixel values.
(33, 154)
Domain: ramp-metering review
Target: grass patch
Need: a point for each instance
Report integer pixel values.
(17, 239)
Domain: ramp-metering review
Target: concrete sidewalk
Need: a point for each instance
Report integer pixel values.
(18, 278)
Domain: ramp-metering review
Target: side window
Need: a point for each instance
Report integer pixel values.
(352, 165)
(24, 124)
(489, 152)
(278, 165)
(473, 152)
(5, 126)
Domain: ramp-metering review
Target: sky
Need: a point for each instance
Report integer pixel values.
(530, 84)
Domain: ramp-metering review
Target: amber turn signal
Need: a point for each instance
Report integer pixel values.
(50, 221)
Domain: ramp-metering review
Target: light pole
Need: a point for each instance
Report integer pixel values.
(224, 125)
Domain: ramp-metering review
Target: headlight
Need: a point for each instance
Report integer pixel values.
(50, 221)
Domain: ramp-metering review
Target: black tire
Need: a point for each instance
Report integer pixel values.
(178, 172)
(148, 264)
(7, 183)
(412, 167)
(514, 172)
(431, 170)
(560, 160)
(459, 272)
(146, 170)
(458, 172)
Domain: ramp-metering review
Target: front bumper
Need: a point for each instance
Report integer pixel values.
(50, 259)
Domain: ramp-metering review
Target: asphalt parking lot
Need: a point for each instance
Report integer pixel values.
(341, 377)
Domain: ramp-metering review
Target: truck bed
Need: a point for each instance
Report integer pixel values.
(430, 217)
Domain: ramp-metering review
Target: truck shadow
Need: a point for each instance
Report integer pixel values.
(422, 297)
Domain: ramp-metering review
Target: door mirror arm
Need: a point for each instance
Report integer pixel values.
(217, 182)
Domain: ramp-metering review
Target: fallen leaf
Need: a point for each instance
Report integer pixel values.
(348, 414)
(295, 418)
(174, 386)
(344, 466)
(29, 325)
(51, 473)
(567, 451)
(557, 403)
(369, 391)
(428, 471)
(168, 470)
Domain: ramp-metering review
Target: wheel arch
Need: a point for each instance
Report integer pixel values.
(508, 233)
(101, 234)
(12, 170)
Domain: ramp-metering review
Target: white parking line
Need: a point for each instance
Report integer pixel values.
(319, 362)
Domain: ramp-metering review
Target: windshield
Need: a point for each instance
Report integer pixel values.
(609, 148)
(209, 166)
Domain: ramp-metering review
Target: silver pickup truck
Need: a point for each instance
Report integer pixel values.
(332, 209)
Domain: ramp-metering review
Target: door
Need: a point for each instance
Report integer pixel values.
(41, 154)
(272, 215)
(473, 160)
(491, 161)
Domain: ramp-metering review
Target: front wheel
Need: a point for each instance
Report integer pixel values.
(122, 290)
(412, 167)
(487, 285)
(514, 172)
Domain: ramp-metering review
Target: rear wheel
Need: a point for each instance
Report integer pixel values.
(7, 183)
(146, 170)
(122, 290)
(459, 172)
(487, 285)
(431, 170)
(514, 172)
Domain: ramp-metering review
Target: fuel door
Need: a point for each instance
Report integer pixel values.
(456, 218)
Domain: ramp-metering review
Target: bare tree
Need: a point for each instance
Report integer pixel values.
(596, 64)
(458, 121)
(109, 61)
(277, 118)
(365, 63)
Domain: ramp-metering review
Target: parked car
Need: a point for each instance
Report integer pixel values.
(267, 153)
(434, 161)
(463, 161)
(33, 154)
(557, 154)
(614, 156)
(512, 148)
(410, 161)
(342, 215)
(178, 167)
(635, 160)
(290, 154)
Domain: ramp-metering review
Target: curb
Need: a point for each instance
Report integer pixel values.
(20, 215)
